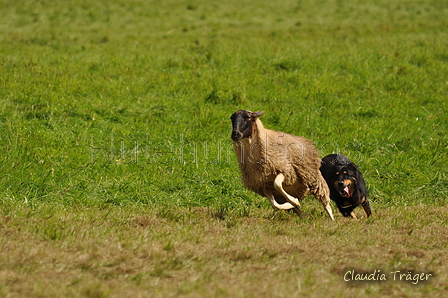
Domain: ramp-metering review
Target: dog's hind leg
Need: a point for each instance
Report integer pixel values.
(366, 205)
(352, 214)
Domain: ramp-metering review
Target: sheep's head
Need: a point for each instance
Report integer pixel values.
(242, 122)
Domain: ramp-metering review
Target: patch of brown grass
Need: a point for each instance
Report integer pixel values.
(192, 253)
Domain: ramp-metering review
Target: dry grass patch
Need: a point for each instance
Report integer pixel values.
(138, 253)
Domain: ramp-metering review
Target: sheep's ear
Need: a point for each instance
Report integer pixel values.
(257, 114)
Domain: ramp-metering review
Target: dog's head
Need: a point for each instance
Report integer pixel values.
(344, 179)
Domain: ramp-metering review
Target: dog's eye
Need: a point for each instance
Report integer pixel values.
(345, 172)
(337, 173)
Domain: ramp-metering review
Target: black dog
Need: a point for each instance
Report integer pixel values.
(347, 187)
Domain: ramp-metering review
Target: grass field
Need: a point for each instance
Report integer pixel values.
(117, 175)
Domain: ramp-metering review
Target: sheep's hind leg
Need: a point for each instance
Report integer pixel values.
(328, 209)
(278, 186)
(270, 196)
(322, 193)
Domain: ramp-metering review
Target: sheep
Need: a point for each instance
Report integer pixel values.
(282, 167)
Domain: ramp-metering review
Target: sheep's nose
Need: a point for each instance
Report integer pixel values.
(236, 135)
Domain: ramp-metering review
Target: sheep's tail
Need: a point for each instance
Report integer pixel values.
(322, 193)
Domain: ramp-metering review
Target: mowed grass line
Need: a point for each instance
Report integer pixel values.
(122, 252)
(117, 176)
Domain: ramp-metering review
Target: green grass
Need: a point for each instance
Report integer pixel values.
(114, 143)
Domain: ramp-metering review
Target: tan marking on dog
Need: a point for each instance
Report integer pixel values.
(351, 187)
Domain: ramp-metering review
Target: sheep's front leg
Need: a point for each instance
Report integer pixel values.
(278, 186)
(270, 196)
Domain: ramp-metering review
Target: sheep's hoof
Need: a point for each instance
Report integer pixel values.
(297, 211)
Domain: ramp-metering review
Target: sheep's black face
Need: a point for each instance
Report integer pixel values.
(242, 122)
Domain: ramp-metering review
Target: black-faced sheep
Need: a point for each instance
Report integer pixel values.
(282, 167)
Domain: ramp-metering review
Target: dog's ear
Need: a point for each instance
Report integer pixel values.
(356, 171)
